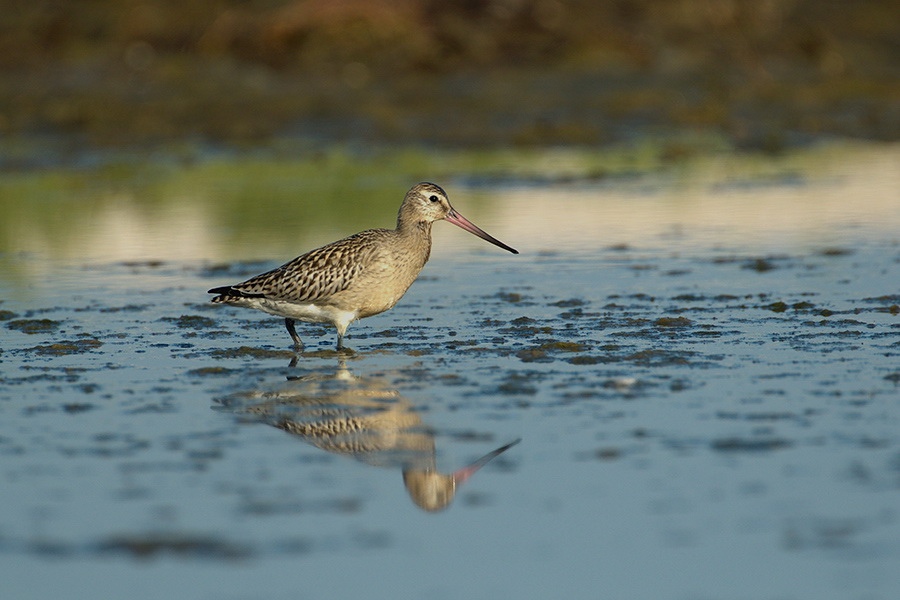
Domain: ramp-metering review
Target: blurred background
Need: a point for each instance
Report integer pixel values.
(764, 74)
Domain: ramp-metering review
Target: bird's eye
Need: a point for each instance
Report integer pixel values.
(434, 198)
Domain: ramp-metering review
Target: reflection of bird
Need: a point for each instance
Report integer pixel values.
(359, 276)
(347, 415)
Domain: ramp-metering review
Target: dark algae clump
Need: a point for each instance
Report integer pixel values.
(673, 322)
(67, 347)
(248, 352)
(34, 325)
(191, 322)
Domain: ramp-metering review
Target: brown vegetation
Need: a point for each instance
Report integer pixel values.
(455, 71)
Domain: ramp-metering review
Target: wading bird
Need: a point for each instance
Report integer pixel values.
(356, 277)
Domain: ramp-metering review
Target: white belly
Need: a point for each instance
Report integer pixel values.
(310, 313)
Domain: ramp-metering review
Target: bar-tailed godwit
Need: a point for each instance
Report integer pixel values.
(356, 277)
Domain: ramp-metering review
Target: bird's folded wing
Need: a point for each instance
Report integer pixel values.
(316, 275)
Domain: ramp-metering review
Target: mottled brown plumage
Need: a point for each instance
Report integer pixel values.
(358, 417)
(356, 277)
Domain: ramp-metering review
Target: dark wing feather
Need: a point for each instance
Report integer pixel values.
(316, 275)
(228, 290)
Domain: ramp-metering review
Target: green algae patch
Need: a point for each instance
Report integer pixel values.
(673, 322)
(542, 353)
(563, 347)
(6, 315)
(191, 322)
(387, 333)
(66, 347)
(778, 307)
(525, 327)
(248, 352)
(760, 265)
(532, 355)
(803, 305)
(587, 360)
(210, 371)
(32, 326)
(885, 298)
(511, 297)
(331, 353)
(527, 331)
(419, 352)
(893, 309)
(569, 303)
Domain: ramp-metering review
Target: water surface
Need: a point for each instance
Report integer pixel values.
(701, 364)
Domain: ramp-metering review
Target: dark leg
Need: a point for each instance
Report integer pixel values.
(289, 323)
(340, 345)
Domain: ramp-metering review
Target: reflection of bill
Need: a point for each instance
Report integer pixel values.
(347, 415)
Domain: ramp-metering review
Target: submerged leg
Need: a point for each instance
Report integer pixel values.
(341, 325)
(289, 323)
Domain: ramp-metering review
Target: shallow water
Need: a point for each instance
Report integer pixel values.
(703, 372)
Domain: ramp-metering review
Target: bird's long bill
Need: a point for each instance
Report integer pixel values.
(462, 475)
(460, 221)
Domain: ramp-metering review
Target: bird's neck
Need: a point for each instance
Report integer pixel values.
(416, 235)
(413, 228)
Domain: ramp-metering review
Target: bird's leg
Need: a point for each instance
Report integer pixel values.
(289, 323)
(341, 327)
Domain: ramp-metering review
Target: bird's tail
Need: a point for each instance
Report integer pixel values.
(229, 294)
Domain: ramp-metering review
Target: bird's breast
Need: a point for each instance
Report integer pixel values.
(383, 284)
